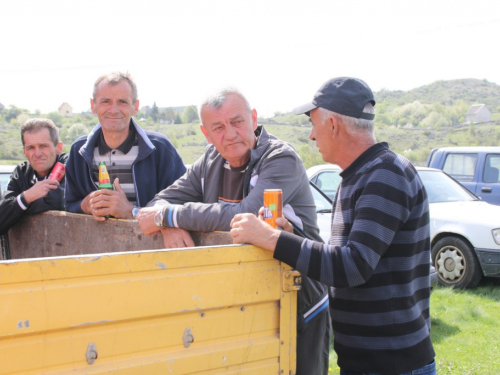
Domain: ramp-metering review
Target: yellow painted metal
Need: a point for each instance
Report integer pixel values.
(135, 308)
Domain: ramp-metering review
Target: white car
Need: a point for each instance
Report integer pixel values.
(5, 172)
(465, 231)
(323, 212)
(326, 177)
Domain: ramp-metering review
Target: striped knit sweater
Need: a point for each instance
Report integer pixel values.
(377, 263)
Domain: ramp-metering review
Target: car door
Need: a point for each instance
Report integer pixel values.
(488, 186)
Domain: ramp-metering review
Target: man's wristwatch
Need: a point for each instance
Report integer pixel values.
(135, 211)
(159, 218)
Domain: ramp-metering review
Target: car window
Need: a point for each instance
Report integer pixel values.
(320, 201)
(491, 168)
(4, 179)
(330, 180)
(461, 167)
(442, 188)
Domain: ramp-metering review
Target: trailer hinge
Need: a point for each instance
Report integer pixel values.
(187, 337)
(91, 353)
(291, 280)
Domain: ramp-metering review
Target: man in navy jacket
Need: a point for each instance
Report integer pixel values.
(140, 163)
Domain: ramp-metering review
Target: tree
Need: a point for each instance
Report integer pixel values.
(56, 118)
(310, 155)
(12, 113)
(170, 115)
(154, 112)
(21, 119)
(177, 119)
(76, 130)
(190, 114)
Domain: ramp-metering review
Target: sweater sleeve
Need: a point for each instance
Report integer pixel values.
(10, 210)
(288, 248)
(277, 172)
(372, 214)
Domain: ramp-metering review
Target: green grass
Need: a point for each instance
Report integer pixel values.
(465, 330)
(10, 162)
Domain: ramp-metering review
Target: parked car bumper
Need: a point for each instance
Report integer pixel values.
(490, 261)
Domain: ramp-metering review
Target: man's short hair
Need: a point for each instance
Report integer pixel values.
(354, 126)
(217, 99)
(114, 78)
(34, 125)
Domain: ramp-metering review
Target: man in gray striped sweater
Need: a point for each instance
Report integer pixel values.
(377, 259)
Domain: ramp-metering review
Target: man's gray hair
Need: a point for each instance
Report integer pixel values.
(217, 99)
(34, 125)
(354, 126)
(114, 78)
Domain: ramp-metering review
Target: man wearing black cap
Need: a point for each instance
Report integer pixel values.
(377, 259)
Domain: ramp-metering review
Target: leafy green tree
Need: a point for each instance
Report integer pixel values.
(21, 119)
(76, 130)
(310, 155)
(435, 120)
(12, 112)
(190, 114)
(154, 112)
(177, 119)
(472, 129)
(56, 118)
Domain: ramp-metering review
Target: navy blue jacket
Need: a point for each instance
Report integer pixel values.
(157, 166)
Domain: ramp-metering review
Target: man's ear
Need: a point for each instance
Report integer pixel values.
(332, 122)
(59, 148)
(255, 121)
(136, 107)
(205, 133)
(92, 105)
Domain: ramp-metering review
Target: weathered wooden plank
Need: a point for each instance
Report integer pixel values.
(56, 233)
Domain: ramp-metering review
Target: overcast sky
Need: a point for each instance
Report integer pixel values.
(277, 53)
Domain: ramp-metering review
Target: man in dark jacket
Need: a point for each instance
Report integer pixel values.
(29, 190)
(140, 163)
(230, 177)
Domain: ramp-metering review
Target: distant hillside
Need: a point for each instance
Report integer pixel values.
(440, 104)
(412, 122)
(472, 91)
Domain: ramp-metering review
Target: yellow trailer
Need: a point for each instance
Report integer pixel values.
(218, 309)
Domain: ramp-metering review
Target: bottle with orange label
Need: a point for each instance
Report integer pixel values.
(104, 182)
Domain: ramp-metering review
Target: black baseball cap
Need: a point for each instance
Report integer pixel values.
(345, 95)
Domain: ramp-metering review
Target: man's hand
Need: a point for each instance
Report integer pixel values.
(176, 237)
(281, 221)
(102, 203)
(40, 190)
(247, 228)
(146, 219)
(172, 237)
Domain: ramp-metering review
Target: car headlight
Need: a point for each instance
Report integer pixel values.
(496, 235)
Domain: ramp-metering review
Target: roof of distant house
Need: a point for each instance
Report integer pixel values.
(63, 105)
(474, 109)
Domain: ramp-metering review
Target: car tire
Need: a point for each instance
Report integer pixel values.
(456, 263)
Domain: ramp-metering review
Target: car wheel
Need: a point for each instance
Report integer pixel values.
(455, 263)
